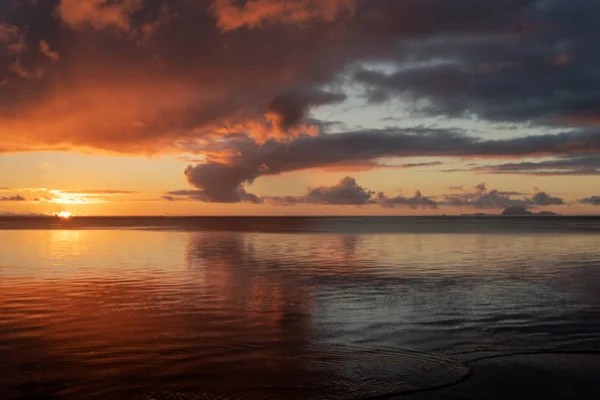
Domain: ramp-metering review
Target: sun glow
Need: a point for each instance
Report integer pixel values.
(63, 215)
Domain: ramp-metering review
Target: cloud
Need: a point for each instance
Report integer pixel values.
(538, 70)
(12, 198)
(417, 201)
(177, 76)
(593, 200)
(482, 198)
(45, 49)
(187, 72)
(12, 38)
(236, 84)
(349, 192)
(256, 13)
(572, 165)
(544, 199)
(368, 165)
(345, 192)
(98, 14)
(247, 160)
(214, 193)
(288, 109)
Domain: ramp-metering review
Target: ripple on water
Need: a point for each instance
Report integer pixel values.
(341, 372)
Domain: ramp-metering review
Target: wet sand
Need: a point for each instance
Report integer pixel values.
(527, 377)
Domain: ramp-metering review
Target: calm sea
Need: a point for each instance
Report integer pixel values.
(284, 308)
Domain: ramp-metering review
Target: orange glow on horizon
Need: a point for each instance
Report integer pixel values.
(63, 215)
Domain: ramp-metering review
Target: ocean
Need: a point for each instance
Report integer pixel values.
(286, 308)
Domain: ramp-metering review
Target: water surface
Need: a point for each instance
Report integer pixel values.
(300, 308)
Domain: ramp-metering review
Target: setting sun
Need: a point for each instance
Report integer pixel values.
(63, 215)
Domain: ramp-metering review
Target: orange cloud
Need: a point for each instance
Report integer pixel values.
(98, 13)
(254, 13)
(45, 49)
(143, 77)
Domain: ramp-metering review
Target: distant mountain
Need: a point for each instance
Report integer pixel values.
(522, 211)
(516, 210)
(547, 214)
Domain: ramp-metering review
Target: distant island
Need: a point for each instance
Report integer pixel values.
(515, 211)
(518, 210)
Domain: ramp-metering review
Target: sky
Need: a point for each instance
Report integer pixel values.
(299, 107)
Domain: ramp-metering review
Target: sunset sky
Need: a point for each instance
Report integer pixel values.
(299, 107)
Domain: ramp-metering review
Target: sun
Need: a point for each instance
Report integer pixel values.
(63, 215)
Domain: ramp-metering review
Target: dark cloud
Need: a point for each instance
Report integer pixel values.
(215, 193)
(544, 73)
(416, 165)
(481, 197)
(291, 108)
(417, 201)
(248, 160)
(593, 200)
(236, 81)
(12, 198)
(578, 165)
(346, 192)
(484, 200)
(544, 199)
(367, 165)
(349, 192)
(185, 70)
(511, 193)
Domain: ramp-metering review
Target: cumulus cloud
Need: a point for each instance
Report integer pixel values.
(346, 192)
(544, 199)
